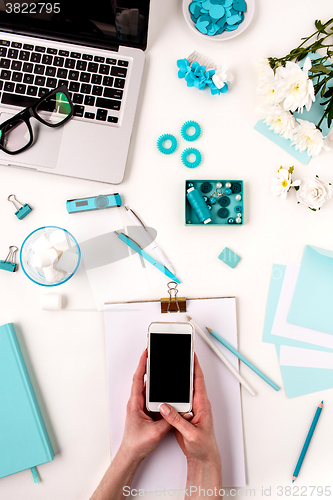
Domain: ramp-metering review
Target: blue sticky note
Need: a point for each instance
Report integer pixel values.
(297, 380)
(228, 257)
(277, 277)
(311, 306)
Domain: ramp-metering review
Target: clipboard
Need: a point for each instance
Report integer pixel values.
(126, 328)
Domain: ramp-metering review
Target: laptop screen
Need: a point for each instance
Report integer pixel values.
(100, 23)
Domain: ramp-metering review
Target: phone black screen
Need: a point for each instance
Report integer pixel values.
(170, 368)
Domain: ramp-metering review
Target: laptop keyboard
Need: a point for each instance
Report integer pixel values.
(95, 83)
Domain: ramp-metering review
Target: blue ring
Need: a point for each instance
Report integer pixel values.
(191, 164)
(185, 135)
(167, 137)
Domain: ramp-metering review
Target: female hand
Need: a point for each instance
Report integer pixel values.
(142, 433)
(196, 438)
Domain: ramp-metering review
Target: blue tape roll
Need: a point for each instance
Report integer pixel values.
(198, 205)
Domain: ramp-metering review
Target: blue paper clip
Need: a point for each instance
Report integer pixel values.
(21, 210)
(8, 264)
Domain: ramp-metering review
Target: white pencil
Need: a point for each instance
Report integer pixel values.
(222, 358)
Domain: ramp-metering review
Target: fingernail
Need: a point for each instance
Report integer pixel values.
(164, 409)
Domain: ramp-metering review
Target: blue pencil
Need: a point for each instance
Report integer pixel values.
(245, 361)
(307, 441)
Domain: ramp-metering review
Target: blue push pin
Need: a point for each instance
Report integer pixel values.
(21, 210)
(8, 264)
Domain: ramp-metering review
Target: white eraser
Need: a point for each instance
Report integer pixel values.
(58, 239)
(42, 243)
(44, 258)
(51, 301)
(67, 262)
(51, 274)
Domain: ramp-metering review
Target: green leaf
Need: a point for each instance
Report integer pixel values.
(319, 26)
(320, 68)
(329, 114)
(328, 93)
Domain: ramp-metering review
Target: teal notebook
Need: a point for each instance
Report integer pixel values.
(24, 442)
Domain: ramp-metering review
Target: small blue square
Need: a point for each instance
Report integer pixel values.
(228, 257)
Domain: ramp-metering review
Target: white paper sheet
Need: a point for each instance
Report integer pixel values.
(284, 329)
(308, 358)
(126, 327)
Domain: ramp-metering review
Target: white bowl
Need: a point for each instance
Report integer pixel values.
(27, 252)
(226, 35)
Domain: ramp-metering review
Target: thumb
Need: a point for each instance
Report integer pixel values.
(163, 426)
(172, 417)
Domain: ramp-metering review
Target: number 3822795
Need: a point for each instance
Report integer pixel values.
(32, 8)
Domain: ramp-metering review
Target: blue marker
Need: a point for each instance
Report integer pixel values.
(242, 358)
(307, 441)
(93, 203)
(134, 246)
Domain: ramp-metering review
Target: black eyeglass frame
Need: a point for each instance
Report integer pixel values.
(30, 112)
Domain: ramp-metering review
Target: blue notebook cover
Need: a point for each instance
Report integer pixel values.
(24, 442)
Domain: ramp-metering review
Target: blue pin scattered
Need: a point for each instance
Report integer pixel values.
(213, 17)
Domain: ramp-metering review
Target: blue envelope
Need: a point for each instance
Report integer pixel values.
(297, 380)
(312, 302)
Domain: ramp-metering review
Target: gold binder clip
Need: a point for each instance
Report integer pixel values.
(173, 303)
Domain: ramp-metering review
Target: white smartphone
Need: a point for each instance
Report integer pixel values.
(170, 366)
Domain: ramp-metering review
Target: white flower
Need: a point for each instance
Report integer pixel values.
(294, 87)
(314, 192)
(280, 121)
(283, 182)
(267, 85)
(329, 139)
(308, 137)
(261, 62)
(222, 76)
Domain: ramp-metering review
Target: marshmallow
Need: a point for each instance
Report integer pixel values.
(42, 243)
(58, 239)
(51, 302)
(52, 275)
(67, 262)
(44, 258)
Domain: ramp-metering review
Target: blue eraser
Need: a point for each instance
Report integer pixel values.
(229, 257)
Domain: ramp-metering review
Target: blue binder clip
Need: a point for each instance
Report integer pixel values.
(21, 210)
(9, 264)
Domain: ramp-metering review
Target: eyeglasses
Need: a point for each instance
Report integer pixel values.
(54, 109)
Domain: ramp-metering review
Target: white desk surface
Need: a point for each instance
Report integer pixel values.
(65, 350)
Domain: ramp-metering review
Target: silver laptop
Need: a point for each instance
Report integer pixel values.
(97, 50)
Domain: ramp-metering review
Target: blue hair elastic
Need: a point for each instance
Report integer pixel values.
(162, 139)
(191, 164)
(186, 126)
